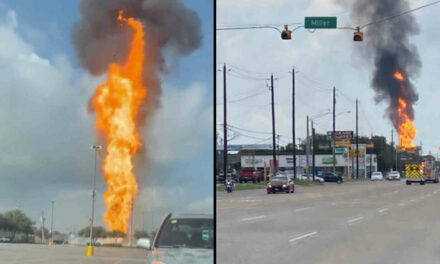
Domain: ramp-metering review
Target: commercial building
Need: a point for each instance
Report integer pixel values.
(345, 163)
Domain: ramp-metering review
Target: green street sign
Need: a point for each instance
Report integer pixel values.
(320, 22)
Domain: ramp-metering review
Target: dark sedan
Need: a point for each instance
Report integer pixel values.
(280, 184)
(331, 177)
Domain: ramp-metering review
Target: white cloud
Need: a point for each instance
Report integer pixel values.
(180, 125)
(202, 206)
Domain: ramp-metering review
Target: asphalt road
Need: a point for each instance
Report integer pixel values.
(41, 254)
(353, 222)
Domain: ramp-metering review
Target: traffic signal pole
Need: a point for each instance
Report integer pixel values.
(334, 128)
(273, 127)
(357, 142)
(225, 133)
(293, 123)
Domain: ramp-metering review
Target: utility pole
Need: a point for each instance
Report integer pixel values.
(293, 123)
(89, 250)
(42, 227)
(313, 152)
(308, 147)
(225, 132)
(273, 128)
(334, 130)
(51, 224)
(357, 142)
(278, 147)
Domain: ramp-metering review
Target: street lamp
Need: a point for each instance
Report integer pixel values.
(89, 251)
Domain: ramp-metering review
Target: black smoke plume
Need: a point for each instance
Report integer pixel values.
(100, 40)
(387, 43)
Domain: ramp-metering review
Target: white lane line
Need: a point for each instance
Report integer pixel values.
(412, 200)
(383, 210)
(303, 236)
(396, 191)
(402, 204)
(252, 218)
(355, 220)
(302, 209)
(334, 203)
(250, 201)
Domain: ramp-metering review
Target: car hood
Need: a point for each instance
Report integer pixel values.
(183, 256)
(277, 183)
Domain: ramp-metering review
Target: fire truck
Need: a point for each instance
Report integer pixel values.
(429, 171)
(414, 173)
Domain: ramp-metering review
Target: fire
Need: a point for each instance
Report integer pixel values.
(407, 130)
(397, 75)
(116, 103)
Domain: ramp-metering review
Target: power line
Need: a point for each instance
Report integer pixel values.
(247, 97)
(397, 15)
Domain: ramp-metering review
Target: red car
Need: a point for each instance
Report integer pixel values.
(280, 183)
(249, 174)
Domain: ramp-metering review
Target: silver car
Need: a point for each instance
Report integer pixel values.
(187, 238)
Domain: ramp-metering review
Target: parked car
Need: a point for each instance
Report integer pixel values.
(309, 177)
(230, 173)
(393, 175)
(187, 238)
(143, 243)
(377, 176)
(249, 174)
(331, 177)
(280, 183)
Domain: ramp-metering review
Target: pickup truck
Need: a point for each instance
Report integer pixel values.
(249, 174)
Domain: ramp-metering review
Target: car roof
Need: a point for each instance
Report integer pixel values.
(191, 215)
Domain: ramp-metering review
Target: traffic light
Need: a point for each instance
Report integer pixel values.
(358, 35)
(286, 34)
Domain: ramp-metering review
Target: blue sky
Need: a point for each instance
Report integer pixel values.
(44, 99)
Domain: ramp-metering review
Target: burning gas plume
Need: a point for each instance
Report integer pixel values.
(396, 60)
(127, 39)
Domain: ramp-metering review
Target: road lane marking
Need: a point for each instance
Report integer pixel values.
(412, 200)
(396, 191)
(252, 218)
(250, 201)
(303, 236)
(302, 209)
(383, 210)
(355, 220)
(402, 204)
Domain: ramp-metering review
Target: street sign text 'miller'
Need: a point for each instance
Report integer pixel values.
(320, 22)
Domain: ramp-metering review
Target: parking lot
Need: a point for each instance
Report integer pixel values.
(67, 254)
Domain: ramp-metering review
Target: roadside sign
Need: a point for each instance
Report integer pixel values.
(340, 135)
(340, 150)
(343, 143)
(320, 22)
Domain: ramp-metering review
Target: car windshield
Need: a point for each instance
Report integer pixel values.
(279, 178)
(188, 233)
(377, 173)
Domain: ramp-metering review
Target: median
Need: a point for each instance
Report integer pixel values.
(261, 185)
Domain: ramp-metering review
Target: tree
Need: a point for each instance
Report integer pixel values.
(98, 231)
(16, 221)
(37, 232)
(116, 234)
(141, 234)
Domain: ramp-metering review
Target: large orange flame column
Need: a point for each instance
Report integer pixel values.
(116, 103)
(407, 130)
